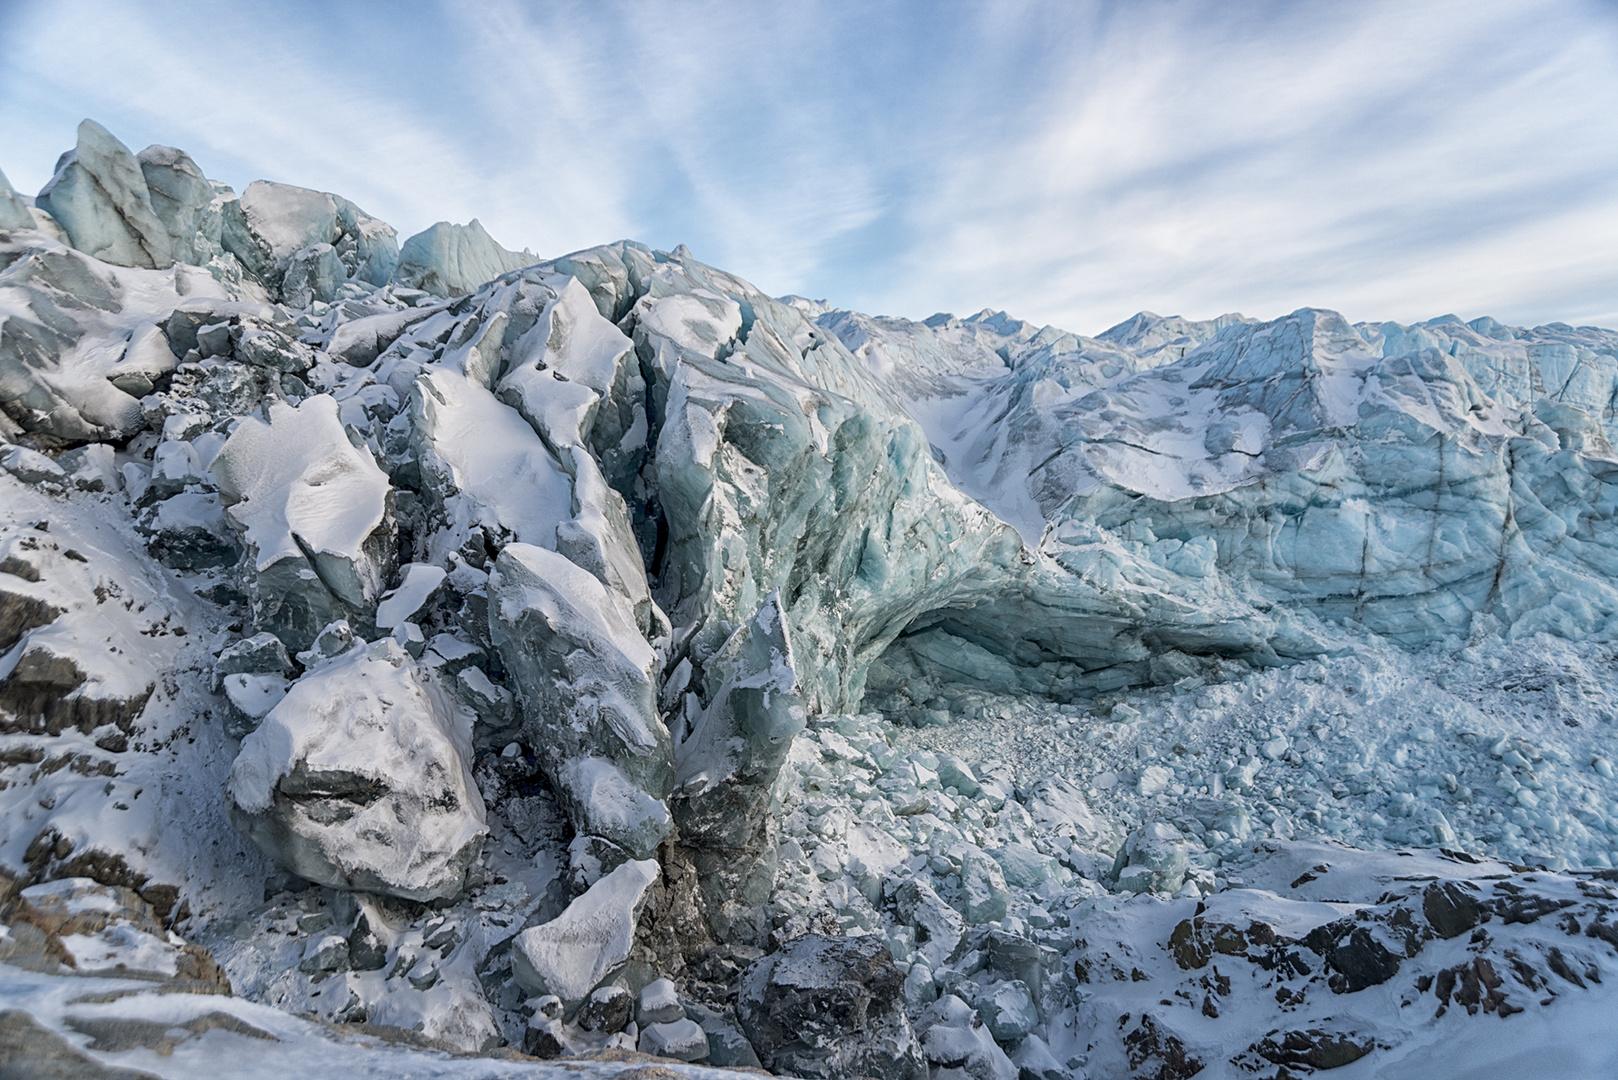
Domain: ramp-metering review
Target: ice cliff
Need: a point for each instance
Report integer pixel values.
(597, 653)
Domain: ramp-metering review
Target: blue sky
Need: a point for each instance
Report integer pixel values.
(1069, 162)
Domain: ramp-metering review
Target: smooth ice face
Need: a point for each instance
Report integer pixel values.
(358, 779)
(99, 197)
(13, 211)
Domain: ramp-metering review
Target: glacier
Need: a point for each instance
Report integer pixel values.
(596, 656)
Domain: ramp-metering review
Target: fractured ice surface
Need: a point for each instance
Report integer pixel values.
(655, 631)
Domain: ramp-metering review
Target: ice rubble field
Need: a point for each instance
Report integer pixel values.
(423, 660)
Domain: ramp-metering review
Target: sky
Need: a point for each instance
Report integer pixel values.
(1069, 162)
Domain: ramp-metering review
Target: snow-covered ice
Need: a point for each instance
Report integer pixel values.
(564, 636)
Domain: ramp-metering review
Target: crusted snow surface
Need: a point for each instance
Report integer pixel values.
(295, 484)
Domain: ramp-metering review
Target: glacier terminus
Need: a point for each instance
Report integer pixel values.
(428, 659)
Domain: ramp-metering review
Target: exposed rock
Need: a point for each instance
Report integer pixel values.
(1450, 908)
(1357, 959)
(607, 1010)
(829, 1007)
(1312, 1049)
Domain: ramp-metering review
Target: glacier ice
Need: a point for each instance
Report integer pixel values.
(13, 211)
(316, 514)
(271, 223)
(100, 198)
(652, 628)
(585, 676)
(454, 260)
(581, 948)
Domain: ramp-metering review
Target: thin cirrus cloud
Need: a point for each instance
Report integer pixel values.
(1069, 162)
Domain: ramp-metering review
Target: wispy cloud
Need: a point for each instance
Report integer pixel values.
(1069, 162)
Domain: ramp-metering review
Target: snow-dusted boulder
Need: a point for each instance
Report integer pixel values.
(585, 678)
(590, 941)
(957, 1043)
(316, 514)
(827, 1008)
(359, 779)
(682, 1039)
(454, 260)
(100, 198)
(1154, 858)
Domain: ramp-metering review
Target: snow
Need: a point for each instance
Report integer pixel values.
(293, 482)
(585, 945)
(487, 463)
(294, 1046)
(418, 580)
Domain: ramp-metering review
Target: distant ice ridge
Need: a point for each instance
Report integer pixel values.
(1422, 481)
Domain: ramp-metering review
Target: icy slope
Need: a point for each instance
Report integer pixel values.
(1409, 478)
(567, 656)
